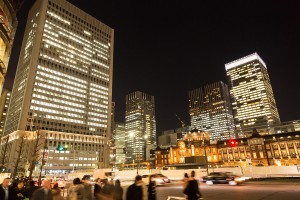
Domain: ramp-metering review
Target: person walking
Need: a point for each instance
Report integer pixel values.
(118, 191)
(56, 192)
(152, 187)
(107, 190)
(44, 192)
(20, 190)
(192, 188)
(97, 188)
(185, 180)
(6, 191)
(76, 191)
(86, 182)
(137, 190)
(30, 189)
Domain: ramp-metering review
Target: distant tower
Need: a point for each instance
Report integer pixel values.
(8, 27)
(140, 126)
(4, 103)
(210, 111)
(119, 138)
(253, 102)
(63, 85)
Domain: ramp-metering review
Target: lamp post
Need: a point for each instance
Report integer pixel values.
(204, 146)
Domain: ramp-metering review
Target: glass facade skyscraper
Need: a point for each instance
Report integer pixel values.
(253, 102)
(210, 111)
(140, 126)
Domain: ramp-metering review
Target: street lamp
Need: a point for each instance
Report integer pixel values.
(203, 143)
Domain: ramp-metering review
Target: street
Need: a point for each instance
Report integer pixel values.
(275, 189)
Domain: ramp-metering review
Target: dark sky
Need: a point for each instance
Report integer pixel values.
(166, 48)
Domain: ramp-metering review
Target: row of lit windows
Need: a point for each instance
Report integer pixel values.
(62, 86)
(57, 73)
(76, 38)
(76, 19)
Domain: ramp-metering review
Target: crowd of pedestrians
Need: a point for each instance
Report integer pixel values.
(82, 189)
(28, 190)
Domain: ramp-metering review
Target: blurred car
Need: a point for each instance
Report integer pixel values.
(222, 178)
(159, 179)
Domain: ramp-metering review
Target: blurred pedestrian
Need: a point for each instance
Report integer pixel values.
(20, 190)
(107, 190)
(86, 182)
(185, 180)
(192, 188)
(97, 188)
(76, 191)
(118, 191)
(56, 192)
(30, 189)
(152, 187)
(6, 191)
(137, 190)
(43, 193)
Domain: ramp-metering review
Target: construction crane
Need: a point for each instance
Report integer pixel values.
(181, 121)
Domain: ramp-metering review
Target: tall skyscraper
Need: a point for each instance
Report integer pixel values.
(8, 27)
(210, 111)
(63, 83)
(253, 102)
(4, 103)
(140, 126)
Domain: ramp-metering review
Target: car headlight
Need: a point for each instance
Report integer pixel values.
(239, 179)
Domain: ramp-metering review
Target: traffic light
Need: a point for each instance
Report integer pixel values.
(232, 142)
(60, 148)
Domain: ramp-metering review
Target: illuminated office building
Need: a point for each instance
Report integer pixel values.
(4, 103)
(8, 27)
(210, 111)
(63, 81)
(140, 126)
(119, 138)
(253, 102)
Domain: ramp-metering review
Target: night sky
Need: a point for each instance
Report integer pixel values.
(166, 48)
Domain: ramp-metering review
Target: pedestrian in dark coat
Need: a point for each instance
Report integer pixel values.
(30, 189)
(118, 191)
(151, 188)
(137, 190)
(20, 190)
(43, 193)
(6, 191)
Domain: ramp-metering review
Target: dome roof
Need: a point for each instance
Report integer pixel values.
(196, 135)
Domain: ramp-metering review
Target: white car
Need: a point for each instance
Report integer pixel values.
(158, 178)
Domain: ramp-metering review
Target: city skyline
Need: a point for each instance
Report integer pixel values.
(183, 47)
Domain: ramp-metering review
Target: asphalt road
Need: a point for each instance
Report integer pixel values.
(275, 189)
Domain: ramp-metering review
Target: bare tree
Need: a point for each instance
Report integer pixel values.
(4, 151)
(35, 153)
(19, 154)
